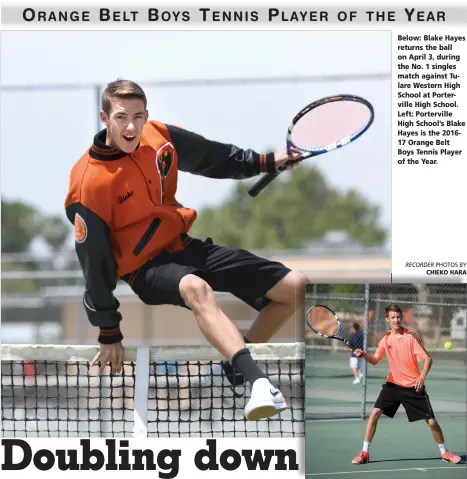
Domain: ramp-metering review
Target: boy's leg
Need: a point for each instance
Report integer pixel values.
(286, 299)
(446, 456)
(436, 431)
(268, 286)
(371, 426)
(266, 400)
(272, 289)
(213, 323)
(276, 292)
(180, 283)
(418, 406)
(364, 456)
(388, 403)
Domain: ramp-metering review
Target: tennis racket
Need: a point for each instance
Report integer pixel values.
(323, 321)
(323, 126)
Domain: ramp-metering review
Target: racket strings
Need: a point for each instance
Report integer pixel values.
(323, 321)
(330, 123)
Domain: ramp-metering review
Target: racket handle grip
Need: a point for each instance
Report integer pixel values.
(259, 186)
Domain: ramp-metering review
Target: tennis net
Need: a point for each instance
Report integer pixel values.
(170, 391)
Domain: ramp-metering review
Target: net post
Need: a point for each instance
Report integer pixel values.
(140, 428)
(365, 348)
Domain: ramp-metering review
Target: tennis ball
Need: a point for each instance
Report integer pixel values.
(448, 345)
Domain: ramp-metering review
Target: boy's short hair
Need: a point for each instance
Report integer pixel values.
(126, 89)
(394, 308)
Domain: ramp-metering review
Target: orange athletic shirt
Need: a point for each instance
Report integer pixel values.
(403, 352)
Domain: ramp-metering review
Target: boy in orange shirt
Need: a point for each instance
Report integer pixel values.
(404, 385)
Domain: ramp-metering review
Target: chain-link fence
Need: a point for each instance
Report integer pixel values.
(436, 312)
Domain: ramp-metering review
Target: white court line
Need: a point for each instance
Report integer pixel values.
(379, 470)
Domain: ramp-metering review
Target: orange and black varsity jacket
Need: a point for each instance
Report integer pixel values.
(124, 210)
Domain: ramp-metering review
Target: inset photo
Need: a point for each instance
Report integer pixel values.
(385, 386)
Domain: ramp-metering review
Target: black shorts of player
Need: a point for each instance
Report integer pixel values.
(416, 404)
(236, 271)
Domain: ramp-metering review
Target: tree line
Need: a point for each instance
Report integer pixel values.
(295, 209)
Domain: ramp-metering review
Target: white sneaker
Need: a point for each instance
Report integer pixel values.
(265, 401)
(357, 380)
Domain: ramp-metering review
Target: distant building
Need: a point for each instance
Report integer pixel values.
(56, 315)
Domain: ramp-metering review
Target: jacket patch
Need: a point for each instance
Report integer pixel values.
(164, 161)
(81, 230)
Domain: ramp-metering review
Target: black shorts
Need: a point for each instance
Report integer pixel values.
(236, 271)
(416, 404)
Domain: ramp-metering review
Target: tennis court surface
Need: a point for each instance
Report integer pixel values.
(400, 450)
(50, 391)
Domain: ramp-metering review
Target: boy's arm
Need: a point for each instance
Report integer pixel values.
(212, 159)
(200, 156)
(420, 382)
(378, 356)
(95, 256)
(421, 354)
(426, 367)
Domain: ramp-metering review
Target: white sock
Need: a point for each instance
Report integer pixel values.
(442, 448)
(366, 446)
